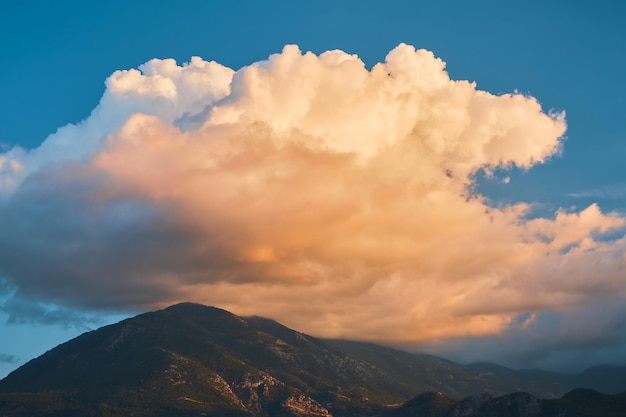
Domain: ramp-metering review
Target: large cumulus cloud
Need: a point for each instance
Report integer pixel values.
(336, 198)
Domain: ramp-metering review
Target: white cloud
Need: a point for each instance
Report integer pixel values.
(159, 88)
(616, 191)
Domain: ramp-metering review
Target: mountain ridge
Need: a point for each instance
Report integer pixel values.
(190, 359)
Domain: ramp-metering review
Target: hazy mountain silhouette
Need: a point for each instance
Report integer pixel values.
(576, 403)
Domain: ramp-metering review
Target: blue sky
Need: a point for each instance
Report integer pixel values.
(56, 56)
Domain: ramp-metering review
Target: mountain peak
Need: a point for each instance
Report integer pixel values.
(196, 308)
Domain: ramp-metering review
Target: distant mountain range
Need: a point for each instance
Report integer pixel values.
(194, 360)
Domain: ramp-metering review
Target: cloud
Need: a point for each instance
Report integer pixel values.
(568, 341)
(20, 311)
(337, 199)
(158, 87)
(7, 358)
(617, 191)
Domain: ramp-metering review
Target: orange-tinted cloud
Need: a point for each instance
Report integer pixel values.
(309, 189)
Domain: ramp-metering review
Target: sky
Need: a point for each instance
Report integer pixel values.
(443, 177)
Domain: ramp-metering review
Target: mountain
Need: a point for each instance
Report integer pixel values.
(420, 373)
(576, 403)
(192, 360)
(188, 359)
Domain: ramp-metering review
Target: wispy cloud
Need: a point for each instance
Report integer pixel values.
(7, 358)
(21, 311)
(608, 192)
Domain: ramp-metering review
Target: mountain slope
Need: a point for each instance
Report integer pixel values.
(188, 358)
(420, 373)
